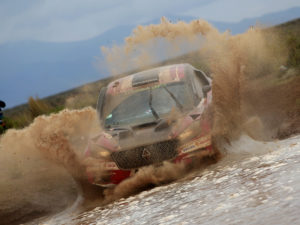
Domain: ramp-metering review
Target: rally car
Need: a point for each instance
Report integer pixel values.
(157, 115)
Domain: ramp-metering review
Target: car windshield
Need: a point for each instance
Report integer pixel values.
(146, 105)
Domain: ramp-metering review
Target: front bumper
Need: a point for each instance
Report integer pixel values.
(122, 168)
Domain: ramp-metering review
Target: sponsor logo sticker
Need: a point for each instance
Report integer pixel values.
(196, 144)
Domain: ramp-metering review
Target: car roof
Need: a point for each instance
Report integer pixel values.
(155, 76)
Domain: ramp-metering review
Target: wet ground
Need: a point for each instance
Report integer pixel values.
(255, 183)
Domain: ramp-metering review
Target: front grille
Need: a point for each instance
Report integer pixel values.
(145, 155)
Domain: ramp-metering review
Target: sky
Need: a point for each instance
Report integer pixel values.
(74, 20)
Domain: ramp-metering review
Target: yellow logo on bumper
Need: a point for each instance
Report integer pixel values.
(195, 144)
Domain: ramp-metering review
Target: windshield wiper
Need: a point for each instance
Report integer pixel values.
(178, 104)
(154, 113)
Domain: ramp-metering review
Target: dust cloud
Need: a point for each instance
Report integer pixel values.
(85, 96)
(150, 44)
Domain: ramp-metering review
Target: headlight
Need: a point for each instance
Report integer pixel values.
(99, 152)
(192, 131)
(186, 135)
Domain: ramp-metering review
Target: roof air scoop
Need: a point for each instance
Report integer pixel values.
(144, 78)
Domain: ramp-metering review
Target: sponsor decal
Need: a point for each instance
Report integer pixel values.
(177, 73)
(189, 148)
(180, 72)
(201, 142)
(173, 73)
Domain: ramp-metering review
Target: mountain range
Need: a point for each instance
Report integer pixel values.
(29, 68)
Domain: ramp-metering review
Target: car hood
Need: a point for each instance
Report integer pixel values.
(142, 136)
(119, 139)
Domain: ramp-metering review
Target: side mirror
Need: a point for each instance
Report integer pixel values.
(206, 89)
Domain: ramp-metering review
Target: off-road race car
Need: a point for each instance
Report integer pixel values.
(161, 114)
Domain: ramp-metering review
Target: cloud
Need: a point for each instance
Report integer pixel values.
(74, 20)
(56, 21)
(234, 11)
(59, 21)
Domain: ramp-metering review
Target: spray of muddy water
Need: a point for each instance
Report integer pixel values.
(34, 162)
(232, 61)
(27, 155)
